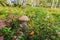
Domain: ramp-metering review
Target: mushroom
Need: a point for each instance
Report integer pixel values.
(23, 20)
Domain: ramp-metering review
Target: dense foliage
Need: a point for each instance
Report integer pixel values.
(44, 23)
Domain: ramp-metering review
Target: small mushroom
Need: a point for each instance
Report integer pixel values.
(23, 20)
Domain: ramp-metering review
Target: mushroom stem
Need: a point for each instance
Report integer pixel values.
(23, 23)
